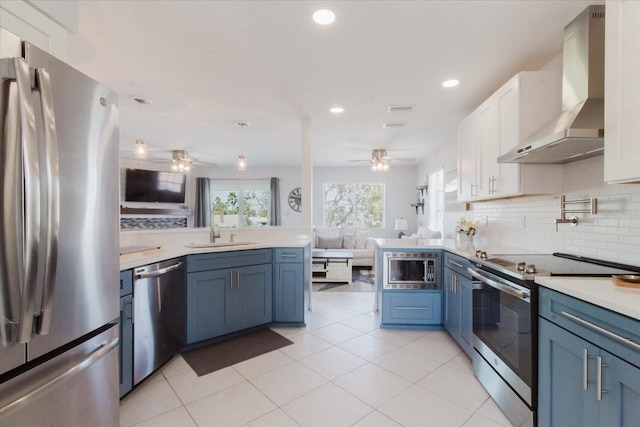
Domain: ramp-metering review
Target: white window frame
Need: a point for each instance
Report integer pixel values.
(240, 187)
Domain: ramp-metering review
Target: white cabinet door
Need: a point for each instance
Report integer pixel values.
(507, 181)
(488, 146)
(622, 92)
(467, 159)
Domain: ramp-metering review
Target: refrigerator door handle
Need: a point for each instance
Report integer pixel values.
(22, 216)
(35, 394)
(52, 185)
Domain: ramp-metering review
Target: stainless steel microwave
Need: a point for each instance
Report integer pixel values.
(412, 270)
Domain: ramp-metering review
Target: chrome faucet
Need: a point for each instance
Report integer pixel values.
(231, 237)
(214, 233)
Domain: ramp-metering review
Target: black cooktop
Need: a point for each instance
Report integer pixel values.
(556, 264)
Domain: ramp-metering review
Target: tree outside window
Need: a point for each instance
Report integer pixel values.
(353, 205)
(243, 207)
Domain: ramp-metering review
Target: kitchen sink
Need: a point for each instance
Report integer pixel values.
(218, 244)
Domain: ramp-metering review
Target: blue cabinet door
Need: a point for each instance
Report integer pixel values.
(252, 296)
(451, 304)
(288, 293)
(620, 405)
(210, 304)
(126, 344)
(562, 397)
(466, 314)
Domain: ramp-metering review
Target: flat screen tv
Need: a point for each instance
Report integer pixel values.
(154, 186)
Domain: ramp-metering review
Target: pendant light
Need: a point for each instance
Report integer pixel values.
(140, 151)
(242, 160)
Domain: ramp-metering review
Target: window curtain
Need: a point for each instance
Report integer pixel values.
(202, 214)
(275, 217)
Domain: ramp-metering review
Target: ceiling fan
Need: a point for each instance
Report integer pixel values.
(180, 161)
(380, 160)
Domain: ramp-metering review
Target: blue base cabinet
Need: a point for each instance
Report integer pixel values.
(411, 308)
(586, 377)
(126, 332)
(228, 292)
(458, 300)
(289, 286)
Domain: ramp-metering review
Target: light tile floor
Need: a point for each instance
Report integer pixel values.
(342, 370)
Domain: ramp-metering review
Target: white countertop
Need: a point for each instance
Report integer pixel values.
(600, 291)
(151, 256)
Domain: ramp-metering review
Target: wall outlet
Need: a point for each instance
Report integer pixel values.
(523, 222)
(485, 220)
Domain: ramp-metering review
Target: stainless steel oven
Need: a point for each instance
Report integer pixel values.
(505, 322)
(412, 270)
(505, 350)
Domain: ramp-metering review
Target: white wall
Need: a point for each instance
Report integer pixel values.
(400, 192)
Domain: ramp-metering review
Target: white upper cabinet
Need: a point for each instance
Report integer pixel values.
(622, 92)
(467, 159)
(514, 111)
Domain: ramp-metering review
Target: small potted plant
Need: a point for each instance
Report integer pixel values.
(465, 230)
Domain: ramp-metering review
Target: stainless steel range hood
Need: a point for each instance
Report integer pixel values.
(578, 133)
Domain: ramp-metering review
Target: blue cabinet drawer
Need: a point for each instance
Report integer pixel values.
(288, 254)
(231, 259)
(457, 263)
(598, 325)
(126, 282)
(412, 308)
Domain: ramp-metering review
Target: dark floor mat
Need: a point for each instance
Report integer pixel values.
(213, 357)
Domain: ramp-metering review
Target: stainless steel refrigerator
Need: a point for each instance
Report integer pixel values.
(58, 243)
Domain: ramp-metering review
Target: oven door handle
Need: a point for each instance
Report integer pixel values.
(524, 296)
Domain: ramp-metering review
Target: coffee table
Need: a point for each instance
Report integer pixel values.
(331, 266)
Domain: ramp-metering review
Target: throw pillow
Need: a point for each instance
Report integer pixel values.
(361, 239)
(349, 241)
(329, 242)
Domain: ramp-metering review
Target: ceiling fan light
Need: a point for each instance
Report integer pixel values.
(242, 163)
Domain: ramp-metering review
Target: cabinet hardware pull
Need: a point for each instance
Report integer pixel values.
(288, 255)
(599, 366)
(238, 278)
(231, 278)
(456, 263)
(585, 369)
(623, 340)
(412, 308)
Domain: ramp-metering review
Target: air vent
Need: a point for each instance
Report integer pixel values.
(393, 124)
(597, 15)
(399, 108)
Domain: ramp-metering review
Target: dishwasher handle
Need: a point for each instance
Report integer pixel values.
(159, 272)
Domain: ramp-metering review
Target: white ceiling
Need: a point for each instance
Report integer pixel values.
(208, 64)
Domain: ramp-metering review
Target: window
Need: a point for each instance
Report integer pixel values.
(353, 205)
(238, 204)
(436, 201)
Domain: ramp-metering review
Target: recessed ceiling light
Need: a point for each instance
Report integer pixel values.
(336, 110)
(450, 83)
(324, 16)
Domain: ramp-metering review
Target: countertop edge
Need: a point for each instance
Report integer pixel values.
(599, 291)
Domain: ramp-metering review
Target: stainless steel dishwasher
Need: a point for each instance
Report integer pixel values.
(159, 295)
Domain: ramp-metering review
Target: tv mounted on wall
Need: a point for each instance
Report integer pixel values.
(154, 186)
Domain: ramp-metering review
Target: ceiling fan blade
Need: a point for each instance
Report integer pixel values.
(357, 161)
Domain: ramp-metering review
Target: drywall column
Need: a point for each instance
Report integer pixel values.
(306, 171)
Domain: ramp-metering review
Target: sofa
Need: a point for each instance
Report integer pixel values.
(357, 242)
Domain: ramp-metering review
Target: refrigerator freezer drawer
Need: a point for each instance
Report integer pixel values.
(75, 388)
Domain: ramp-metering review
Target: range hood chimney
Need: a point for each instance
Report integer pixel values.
(578, 133)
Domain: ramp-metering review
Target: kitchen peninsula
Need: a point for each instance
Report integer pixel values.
(186, 291)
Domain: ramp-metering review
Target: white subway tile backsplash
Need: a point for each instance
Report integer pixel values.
(613, 233)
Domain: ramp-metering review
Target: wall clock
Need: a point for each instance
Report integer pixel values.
(295, 199)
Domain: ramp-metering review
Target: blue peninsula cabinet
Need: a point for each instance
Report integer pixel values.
(589, 364)
(291, 292)
(228, 292)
